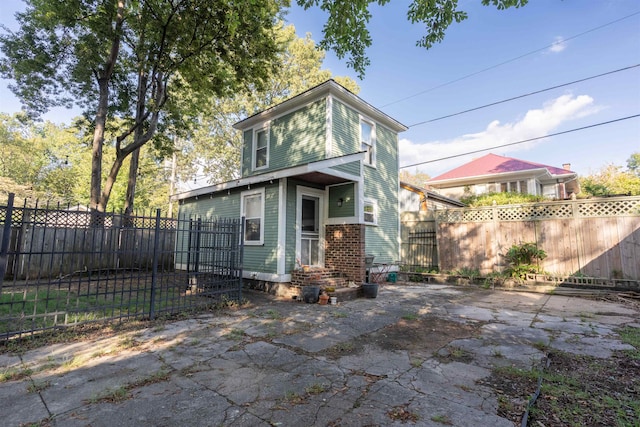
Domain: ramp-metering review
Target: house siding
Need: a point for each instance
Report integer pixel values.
(345, 130)
(345, 192)
(381, 184)
(294, 139)
(352, 168)
(262, 258)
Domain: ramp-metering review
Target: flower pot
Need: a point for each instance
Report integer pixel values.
(310, 294)
(370, 290)
(323, 299)
(334, 300)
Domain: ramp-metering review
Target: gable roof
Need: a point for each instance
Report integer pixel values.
(492, 164)
(329, 87)
(430, 194)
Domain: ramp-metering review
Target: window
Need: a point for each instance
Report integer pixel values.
(370, 211)
(253, 212)
(261, 149)
(368, 142)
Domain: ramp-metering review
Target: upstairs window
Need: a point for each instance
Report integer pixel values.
(368, 142)
(261, 149)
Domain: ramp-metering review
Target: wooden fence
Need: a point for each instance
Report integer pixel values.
(597, 238)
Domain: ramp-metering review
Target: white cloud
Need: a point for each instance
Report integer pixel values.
(535, 123)
(558, 45)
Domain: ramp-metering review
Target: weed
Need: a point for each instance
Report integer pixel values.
(523, 259)
(471, 273)
(235, 334)
(316, 388)
(416, 363)
(12, 374)
(442, 419)
(293, 397)
(38, 386)
(410, 316)
(339, 314)
(117, 395)
(630, 335)
(127, 343)
(497, 353)
(401, 413)
(273, 314)
(541, 345)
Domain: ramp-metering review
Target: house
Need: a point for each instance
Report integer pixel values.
(318, 187)
(493, 173)
(414, 198)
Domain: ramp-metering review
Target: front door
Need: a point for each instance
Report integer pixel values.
(310, 227)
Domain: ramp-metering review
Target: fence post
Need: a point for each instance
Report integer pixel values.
(154, 273)
(6, 236)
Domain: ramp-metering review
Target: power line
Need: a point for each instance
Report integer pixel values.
(510, 60)
(523, 141)
(524, 95)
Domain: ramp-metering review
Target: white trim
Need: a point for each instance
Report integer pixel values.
(266, 277)
(321, 194)
(330, 87)
(282, 225)
(374, 204)
(373, 140)
(258, 191)
(329, 128)
(319, 166)
(342, 220)
(254, 146)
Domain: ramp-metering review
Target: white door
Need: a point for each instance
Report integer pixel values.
(310, 226)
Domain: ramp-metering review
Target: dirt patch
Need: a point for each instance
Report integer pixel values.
(421, 337)
(576, 391)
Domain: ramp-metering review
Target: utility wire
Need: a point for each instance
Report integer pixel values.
(523, 141)
(510, 60)
(524, 95)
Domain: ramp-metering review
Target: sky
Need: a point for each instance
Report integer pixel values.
(490, 57)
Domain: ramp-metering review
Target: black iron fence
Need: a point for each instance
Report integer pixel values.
(61, 267)
(420, 251)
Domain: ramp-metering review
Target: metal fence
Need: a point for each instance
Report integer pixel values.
(61, 267)
(420, 251)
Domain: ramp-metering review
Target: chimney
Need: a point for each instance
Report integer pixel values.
(566, 166)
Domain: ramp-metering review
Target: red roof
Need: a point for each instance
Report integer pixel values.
(494, 164)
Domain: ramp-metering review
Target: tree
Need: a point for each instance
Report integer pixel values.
(126, 59)
(346, 33)
(419, 179)
(214, 147)
(633, 164)
(611, 180)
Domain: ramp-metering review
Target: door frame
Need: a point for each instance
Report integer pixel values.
(320, 194)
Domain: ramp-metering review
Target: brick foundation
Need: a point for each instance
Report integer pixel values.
(344, 250)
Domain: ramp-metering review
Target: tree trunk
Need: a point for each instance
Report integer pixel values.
(131, 183)
(96, 150)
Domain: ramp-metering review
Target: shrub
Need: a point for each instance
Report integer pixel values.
(523, 259)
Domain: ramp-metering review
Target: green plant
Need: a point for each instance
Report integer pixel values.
(442, 419)
(523, 259)
(471, 273)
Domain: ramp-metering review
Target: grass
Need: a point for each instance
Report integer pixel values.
(122, 393)
(316, 388)
(273, 314)
(442, 419)
(630, 335)
(410, 316)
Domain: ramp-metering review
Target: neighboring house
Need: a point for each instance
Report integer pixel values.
(413, 198)
(493, 173)
(318, 187)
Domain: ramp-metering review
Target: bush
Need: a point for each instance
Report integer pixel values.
(523, 259)
(500, 199)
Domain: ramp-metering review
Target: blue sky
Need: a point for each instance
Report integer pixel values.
(414, 85)
(406, 81)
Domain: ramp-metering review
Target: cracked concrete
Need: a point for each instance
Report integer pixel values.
(294, 364)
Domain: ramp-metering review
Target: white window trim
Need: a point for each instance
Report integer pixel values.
(374, 144)
(259, 191)
(367, 201)
(254, 148)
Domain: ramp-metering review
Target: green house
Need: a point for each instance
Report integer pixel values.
(319, 187)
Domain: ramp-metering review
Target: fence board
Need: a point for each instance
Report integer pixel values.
(599, 238)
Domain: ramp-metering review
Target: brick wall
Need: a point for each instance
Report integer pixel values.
(345, 250)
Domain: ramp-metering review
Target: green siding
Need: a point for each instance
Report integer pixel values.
(295, 139)
(345, 130)
(347, 194)
(381, 184)
(352, 168)
(246, 152)
(261, 258)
